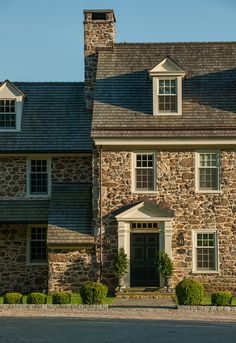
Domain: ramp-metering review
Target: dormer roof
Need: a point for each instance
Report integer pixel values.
(9, 90)
(167, 66)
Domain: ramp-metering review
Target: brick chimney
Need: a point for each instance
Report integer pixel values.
(99, 31)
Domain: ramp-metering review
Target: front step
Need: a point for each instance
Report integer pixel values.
(147, 292)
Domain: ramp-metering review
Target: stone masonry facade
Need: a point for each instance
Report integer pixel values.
(193, 211)
(16, 274)
(70, 268)
(63, 169)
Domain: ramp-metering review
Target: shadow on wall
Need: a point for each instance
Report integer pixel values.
(133, 91)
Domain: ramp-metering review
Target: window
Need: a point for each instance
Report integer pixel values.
(7, 114)
(141, 225)
(167, 93)
(205, 251)
(208, 171)
(144, 171)
(38, 177)
(37, 244)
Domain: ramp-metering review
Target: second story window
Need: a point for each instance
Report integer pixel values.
(208, 171)
(7, 114)
(38, 177)
(167, 95)
(144, 172)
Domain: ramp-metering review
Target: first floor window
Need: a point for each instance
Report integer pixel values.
(205, 251)
(7, 114)
(37, 244)
(208, 171)
(144, 172)
(38, 173)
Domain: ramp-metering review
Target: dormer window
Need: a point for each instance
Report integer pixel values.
(167, 95)
(167, 87)
(7, 113)
(11, 106)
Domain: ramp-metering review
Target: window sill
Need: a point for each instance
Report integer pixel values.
(144, 192)
(208, 192)
(37, 263)
(205, 272)
(167, 114)
(37, 196)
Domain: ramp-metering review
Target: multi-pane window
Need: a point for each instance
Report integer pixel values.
(144, 172)
(208, 171)
(167, 95)
(38, 244)
(38, 177)
(143, 225)
(205, 251)
(7, 114)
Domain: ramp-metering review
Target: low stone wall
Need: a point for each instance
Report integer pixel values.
(70, 268)
(51, 307)
(16, 274)
(207, 308)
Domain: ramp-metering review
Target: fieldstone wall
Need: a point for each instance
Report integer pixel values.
(71, 169)
(12, 177)
(15, 274)
(64, 169)
(70, 268)
(176, 189)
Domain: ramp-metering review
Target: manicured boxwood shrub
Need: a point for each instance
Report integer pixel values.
(36, 298)
(12, 298)
(221, 298)
(61, 298)
(93, 293)
(189, 292)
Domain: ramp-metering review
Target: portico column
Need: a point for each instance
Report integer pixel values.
(168, 237)
(124, 242)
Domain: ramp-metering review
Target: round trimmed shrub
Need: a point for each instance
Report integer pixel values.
(61, 298)
(36, 298)
(12, 298)
(189, 292)
(93, 293)
(221, 298)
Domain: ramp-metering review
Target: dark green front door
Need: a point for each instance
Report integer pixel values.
(144, 251)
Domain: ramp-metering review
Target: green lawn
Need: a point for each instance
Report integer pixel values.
(75, 299)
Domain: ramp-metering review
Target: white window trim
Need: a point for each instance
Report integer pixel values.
(197, 190)
(28, 170)
(18, 112)
(194, 257)
(156, 95)
(133, 166)
(28, 262)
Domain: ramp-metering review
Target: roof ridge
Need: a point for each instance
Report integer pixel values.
(177, 42)
(50, 82)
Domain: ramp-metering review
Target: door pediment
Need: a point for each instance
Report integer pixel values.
(144, 211)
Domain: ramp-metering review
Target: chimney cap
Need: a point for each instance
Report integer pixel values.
(101, 11)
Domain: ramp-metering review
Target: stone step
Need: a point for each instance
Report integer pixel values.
(144, 293)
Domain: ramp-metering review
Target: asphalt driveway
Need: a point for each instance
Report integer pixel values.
(75, 330)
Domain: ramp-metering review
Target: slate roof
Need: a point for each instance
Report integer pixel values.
(123, 97)
(54, 119)
(24, 211)
(70, 214)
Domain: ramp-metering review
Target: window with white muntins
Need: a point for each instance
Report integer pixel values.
(208, 171)
(144, 172)
(37, 244)
(167, 96)
(38, 178)
(7, 113)
(205, 252)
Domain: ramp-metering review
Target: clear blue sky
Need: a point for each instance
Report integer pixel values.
(42, 40)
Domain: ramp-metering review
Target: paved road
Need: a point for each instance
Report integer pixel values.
(76, 330)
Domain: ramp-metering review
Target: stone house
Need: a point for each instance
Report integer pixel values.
(142, 156)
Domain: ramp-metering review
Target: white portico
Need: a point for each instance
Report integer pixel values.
(148, 223)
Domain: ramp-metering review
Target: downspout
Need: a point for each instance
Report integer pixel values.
(101, 246)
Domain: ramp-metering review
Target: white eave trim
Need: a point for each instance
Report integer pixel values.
(205, 142)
